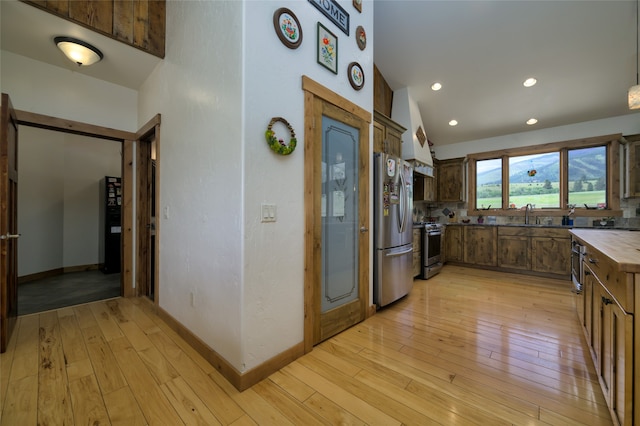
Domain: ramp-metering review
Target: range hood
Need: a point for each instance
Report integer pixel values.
(405, 112)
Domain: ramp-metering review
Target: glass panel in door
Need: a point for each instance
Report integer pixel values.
(340, 230)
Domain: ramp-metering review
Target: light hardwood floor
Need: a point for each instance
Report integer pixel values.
(465, 347)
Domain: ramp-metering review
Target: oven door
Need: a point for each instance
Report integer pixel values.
(433, 247)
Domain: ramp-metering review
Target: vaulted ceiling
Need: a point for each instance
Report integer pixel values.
(583, 54)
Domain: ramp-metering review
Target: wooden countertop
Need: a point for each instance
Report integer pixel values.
(623, 247)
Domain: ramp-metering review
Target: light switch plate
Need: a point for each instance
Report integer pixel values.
(268, 212)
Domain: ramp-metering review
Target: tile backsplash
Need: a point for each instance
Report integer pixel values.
(424, 210)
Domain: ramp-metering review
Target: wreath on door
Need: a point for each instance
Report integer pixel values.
(278, 145)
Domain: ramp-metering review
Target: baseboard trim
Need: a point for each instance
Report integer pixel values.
(240, 381)
(55, 272)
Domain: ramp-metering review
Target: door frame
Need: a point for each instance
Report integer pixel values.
(145, 137)
(314, 92)
(8, 222)
(128, 140)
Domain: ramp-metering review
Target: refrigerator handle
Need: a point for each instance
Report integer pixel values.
(402, 220)
(400, 253)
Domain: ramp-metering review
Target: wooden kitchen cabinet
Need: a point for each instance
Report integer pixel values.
(631, 170)
(387, 135)
(453, 243)
(450, 180)
(480, 245)
(611, 330)
(424, 188)
(417, 251)
(514, 252)
(612, 352)
(536, 250)
(552, 254)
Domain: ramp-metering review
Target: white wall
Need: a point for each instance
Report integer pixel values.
(58, 198)
(198, 91)
(274, 252)
(44, 89)
(626, 124)
(216, 168)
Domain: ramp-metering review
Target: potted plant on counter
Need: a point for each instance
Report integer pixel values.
(480, 218)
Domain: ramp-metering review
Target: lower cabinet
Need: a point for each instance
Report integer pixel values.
(514, 252)
(417, 251)
(542, 250)
(609, 332)
(453, 243)
(480, 245)
(551, 254)
(612, 352)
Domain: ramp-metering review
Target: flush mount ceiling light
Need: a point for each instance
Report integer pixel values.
(453, 123)
(531, 121)
(436, 86)
(634, 91)
(78, 51)
(530, 82)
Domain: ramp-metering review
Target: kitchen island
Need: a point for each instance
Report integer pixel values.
(606, 308)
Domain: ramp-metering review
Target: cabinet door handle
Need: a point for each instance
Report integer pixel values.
(593, 260)
(606, 301)
(587, 273)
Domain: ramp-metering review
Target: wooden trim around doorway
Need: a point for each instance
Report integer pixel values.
(46, 122)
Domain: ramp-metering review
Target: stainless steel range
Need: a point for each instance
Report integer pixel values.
(432, 243)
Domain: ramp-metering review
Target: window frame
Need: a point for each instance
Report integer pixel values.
(610, 142)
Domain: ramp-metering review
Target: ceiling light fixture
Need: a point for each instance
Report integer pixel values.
(78, 51)
(436, 86)
(453, 123)
(530, 82)
(531, 121)
(634, 91)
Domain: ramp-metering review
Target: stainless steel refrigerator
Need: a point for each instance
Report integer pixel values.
(393, 228)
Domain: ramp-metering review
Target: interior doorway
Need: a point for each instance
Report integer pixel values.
(147, 161)
(337, 242)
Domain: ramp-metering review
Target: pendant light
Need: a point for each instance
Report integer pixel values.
(78, 51)
(634, 91)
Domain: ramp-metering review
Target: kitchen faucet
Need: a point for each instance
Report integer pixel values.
(528, 209)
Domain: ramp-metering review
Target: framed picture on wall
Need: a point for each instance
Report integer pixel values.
(287, 28)
(327, 52)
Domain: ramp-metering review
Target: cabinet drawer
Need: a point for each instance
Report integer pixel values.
(619, 284)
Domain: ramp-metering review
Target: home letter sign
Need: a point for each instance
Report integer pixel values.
(332, 10)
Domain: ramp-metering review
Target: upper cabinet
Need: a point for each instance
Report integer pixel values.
(631, 161)
(387, 135)
(424, 188)
(140, 24)
(450, 180)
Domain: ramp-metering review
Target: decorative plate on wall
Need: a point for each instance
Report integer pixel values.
(356, 75)
(361, 37)
(287, 28)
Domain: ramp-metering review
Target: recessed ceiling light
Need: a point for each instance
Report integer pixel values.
(453, 123)
(530, 82)
(436, 86)
(531, 121)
